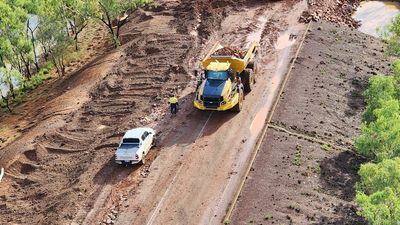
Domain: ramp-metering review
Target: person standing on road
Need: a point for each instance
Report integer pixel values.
(173, 102)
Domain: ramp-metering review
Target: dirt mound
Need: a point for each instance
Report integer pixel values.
(205, 16)
(76, 160)
(336, 11)
(307, 162)
(230, 51)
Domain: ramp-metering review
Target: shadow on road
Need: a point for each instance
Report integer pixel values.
(112, 173)
(190, 123)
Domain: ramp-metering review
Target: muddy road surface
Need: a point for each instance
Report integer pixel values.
(61, 169)
(197, 171)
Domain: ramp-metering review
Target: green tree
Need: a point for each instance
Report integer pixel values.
(381, 88)
(31, 30)
(379, 139)
(77, 15)
(7, 78)
(381, 207)
(114, 13)
(391, 34)
(53, 34)
(376, 177)
(378, 192)
(15, 50)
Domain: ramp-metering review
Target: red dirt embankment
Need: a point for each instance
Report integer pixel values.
(306, 169)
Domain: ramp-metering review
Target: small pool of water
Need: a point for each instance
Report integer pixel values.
(285, 40)
(375, 15)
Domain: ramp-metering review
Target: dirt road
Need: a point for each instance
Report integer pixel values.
(196, 173)
(61, 169)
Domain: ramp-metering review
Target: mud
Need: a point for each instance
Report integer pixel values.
(61, 170)
(59, 166)
(230, 51)
(295, 178)
(375, 15)
(335, 11)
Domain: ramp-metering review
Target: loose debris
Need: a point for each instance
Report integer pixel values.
(335, 11)
(230, 51)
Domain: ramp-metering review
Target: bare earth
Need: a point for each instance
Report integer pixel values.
(306, 169)
(59, 156)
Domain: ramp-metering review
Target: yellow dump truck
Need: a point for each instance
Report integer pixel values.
(228, 73)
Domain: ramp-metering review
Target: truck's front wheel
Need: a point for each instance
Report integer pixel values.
(247, 80)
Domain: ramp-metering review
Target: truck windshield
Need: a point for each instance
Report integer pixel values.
(130, 143)
(217, 75)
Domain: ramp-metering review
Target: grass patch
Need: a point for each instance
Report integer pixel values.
(325, 147)
(297, 156)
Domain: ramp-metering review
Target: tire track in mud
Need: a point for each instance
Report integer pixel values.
(266, 27)
(274, 27)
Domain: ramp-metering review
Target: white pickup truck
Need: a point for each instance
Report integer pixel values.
(134, 146)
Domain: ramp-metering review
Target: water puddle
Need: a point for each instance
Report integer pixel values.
(284, 46)
(258, 121)
(375, 15)
(285, 40)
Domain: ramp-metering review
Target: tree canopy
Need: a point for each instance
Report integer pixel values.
(35, 32)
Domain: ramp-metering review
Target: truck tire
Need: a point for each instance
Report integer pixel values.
(143, 159)
(239, 105)
(154, 143)
(251, 65)
(247, 80)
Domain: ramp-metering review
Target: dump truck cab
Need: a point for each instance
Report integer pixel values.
(219, 89)
(224, 80)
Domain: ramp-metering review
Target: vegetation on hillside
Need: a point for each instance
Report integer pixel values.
(44, 32)
(378, 191)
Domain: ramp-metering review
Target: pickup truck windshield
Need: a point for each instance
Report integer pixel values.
(217, 75)
(130, 143)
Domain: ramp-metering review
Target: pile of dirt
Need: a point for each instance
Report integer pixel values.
(307, 161)
(230, 51)
(336, 11)
(205, 16)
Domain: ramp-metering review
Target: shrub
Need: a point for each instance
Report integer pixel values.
(381, 88)
(382, 207)
(380, 139)
(376, 177)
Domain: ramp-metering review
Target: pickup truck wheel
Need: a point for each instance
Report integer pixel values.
(143, 160)
(154, 142)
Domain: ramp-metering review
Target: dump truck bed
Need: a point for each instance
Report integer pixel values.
(237, 64)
